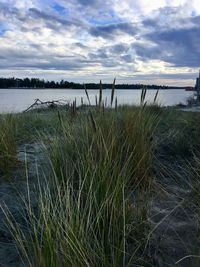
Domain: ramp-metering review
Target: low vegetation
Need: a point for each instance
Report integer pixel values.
(106, 170)
(8, 146)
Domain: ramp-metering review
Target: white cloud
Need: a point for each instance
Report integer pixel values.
(41, 41)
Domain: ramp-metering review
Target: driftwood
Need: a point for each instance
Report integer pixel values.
(38, 104)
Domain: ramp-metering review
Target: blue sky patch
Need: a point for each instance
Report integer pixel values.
(194, 13)
(3, 29)
(59, 9)
(102, 22)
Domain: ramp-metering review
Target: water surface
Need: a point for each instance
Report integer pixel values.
(17, 100)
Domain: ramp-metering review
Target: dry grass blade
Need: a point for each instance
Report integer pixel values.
(100, 93)
(96, 101)
(103, 107)
(73, 110)
(94, 125)
(59, 118)
(143, 95)
(116, 104)
(145, 91)
(86, 92)
(106, 100)
(112, 92)
(156, 96)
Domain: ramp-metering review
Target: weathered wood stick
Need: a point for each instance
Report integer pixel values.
(38, 102)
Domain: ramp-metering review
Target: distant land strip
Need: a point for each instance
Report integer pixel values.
(35, 83)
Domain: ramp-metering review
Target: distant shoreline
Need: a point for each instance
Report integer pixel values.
(36, 83)
(80, 89)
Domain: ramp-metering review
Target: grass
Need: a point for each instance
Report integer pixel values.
(79, 228)
(93, 200)
(8, 146)
(94, 210)
(180, 131)
(33, 124)
(104, 138)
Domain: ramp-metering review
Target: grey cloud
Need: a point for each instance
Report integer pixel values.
(110, 51)
(109, 64)
(146, 52)
(127, 58)
(168, 18)
(50, 19)
(109, 31)
(178, 46)
(24, 19)
(111, 56)
(100, 54)
(174, 76)
(87, 2)
(150, 23)
(119, 48)
(7, 10)
(51, 65)
(16, 54)
(36, 58)
(196, 20)
(80, 45)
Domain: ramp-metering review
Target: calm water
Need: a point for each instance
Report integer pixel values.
(17, 100)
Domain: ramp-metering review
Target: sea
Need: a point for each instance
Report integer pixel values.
(17, 100)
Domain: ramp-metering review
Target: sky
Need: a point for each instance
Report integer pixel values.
(136, 41)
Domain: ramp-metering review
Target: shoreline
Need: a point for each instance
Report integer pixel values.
(97, 89)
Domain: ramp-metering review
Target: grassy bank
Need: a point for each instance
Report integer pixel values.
(105, 172)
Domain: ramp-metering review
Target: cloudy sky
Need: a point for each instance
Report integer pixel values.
(155, 41)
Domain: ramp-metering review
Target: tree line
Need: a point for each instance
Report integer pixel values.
(38, 83)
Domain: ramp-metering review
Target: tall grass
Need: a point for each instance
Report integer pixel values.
(108, 137)
(8, 148)
(193, 183)
(75, 227)
(93, 210)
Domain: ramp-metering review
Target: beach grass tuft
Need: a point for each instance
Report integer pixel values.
(8, 147)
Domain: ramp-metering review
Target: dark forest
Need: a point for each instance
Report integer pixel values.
(38, 83)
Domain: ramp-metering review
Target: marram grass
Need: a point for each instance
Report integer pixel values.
(8, 147)
(93, 209)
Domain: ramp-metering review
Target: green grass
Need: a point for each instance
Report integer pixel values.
(79, 228)
(179, 132)
(109, 137)
(93, 201)
(8, 146)
(94, 209)
(30, 125)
